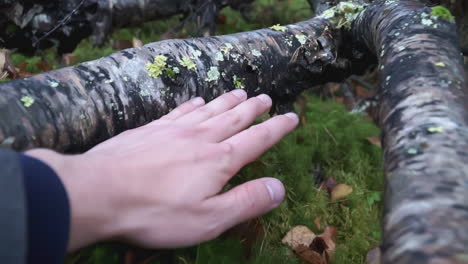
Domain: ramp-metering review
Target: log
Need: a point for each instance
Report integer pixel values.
(75, 108)
(424, 120)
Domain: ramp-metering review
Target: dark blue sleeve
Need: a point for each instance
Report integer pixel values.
(48, 213)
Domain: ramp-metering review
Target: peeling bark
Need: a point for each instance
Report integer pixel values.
(424, 119)
(73, 109)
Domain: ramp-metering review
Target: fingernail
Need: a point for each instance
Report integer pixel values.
(198, 101)
(275, 189)
(265, 98)
(293, 116)
(239, 93)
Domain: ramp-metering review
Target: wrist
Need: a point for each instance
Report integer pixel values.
(90, 206)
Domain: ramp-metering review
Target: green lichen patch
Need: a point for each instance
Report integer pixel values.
(278, 27)
(188, 63)
(301, 38)
(437, 129)
(256, 53)
(226, 49)
(219, 56)
(53, 84)
(27, 101)
(412, 151)
(442, 12)
(343, 14)
(157, 68)
(197, 54)
(440, 64)
(238, 82)
(145, 92)
(213, 74)
(427, 22)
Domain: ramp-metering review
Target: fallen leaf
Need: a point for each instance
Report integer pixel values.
(221, 19)
(317, 223)
(122, 44)
(329, 184)
(341, 191)
(329, 237)
(298, 235)
(374, 256)
(309, 256)
(362, 93)
(310, 248)
(44, 66)
(375, 141)
(340, 100)
(137, 43)
(68, 59)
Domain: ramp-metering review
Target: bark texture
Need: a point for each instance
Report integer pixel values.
(73, 109)
(424, 122)
(31, 25)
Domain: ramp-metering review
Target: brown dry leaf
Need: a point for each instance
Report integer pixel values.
(298, 235)
(309, 256)
(375, 141)
(122, 44)
(374, 256)
(329, 184)
(221, 19)
(137, 43)
(68, 59)
(44, 66)
(340, 100)
(317, 223)
(329, 237)
(310, 248)
(362, 93)
(341, 191)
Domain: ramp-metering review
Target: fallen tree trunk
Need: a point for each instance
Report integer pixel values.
(424, 119)
(73, 109)
(33, 25)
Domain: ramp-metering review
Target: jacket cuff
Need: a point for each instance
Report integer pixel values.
(48, 212)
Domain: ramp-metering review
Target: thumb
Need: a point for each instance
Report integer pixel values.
(248, 200)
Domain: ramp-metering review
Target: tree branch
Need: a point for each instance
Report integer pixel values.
(73, 109)
(424, 121)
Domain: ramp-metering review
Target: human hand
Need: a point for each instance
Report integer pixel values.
(159, 185)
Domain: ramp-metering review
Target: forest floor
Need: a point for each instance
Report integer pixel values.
(330, 143)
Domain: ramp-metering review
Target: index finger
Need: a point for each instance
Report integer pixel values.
(249, 144)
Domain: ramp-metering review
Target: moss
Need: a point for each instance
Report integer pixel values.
(333, 140)
(157, 68)
(442, 13)
(238, 82)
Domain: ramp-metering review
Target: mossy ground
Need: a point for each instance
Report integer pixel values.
(331, 139)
